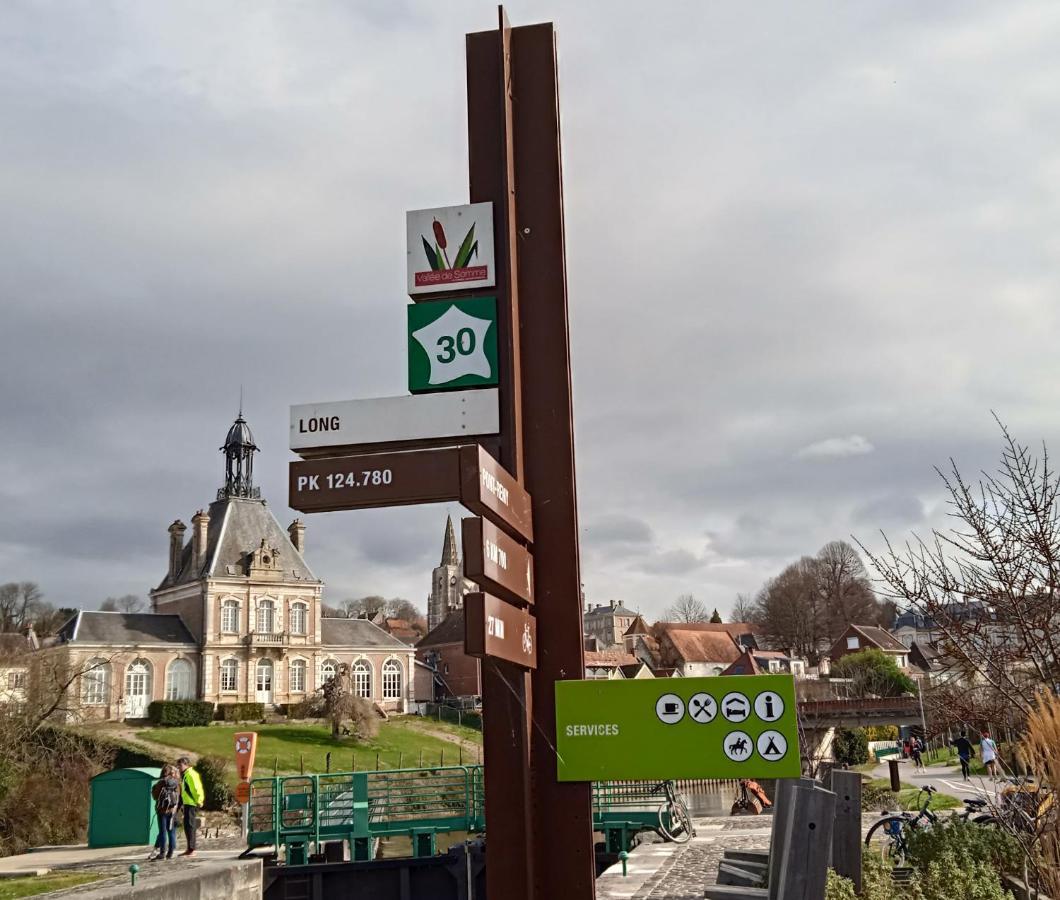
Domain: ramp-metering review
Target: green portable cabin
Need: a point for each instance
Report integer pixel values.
(121, 809)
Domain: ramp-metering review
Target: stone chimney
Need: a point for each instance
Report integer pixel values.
(612, 604)
(176, 545)
(200, 524)
(296, 531)
(824, 667)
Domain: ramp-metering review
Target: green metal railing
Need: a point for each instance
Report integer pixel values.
(300, 812)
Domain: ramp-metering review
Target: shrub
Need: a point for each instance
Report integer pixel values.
(839, 888)
(312, 707)
(965, 840)
(851, 746)
(218, 795)
(882, 732)
(953, 877)
(241, 712)
(178, 713)
(874, 797)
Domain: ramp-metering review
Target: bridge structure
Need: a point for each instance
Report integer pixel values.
(303, 813)
(862, 712)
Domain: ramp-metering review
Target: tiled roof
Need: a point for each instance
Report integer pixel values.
(449, 631)
(356, 633)
(695, 645)
(237, 527)
(637, 627)
(96, 627)
(609, 658)
(734, 628)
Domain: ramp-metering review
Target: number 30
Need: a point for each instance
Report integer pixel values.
(463, 343)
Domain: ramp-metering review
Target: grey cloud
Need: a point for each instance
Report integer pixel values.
(617, 529)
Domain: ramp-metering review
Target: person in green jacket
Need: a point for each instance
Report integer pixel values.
(191, 799)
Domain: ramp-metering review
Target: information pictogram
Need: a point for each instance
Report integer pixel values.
(738, 746)
(769, 706)
(670, 708)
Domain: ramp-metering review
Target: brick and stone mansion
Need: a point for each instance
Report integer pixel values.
(237, 618)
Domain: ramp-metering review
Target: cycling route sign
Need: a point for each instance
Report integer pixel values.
(728, 726)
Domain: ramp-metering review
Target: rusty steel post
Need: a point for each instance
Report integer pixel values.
(506, 692)
(564, 865)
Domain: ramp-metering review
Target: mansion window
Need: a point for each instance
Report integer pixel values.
(298, 675)
(298, 618)
(230, 675)
(362, 679)
(16, 680)
(230, 617)
(179, 681)
(391, 680)
(266, 616)
(328, 670)
(95, 683)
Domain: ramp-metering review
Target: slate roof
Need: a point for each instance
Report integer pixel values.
(608, 610)
(881, 638)
(630, 670)
(356, 633)
(745, 665)
(449, 631)
(97, 627)
(237, 527)
(638, 626)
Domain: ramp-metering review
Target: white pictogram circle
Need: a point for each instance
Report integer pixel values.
(735, 706)
(669, 708)
(702, 708)
(772, 745)
(769, 706)
(738, 746)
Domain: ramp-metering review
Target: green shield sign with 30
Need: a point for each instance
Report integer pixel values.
(452, 344)
(734, 726)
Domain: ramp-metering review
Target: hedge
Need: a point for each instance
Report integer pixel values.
(112, 752)
(177, 713)
(241, 712)
(213, 771)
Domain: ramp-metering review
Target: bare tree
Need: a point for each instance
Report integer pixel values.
(20, 602)
(127, 603)
(742, 608)
(845, 589)
(687, 609)
(790, 611)
(991, 583)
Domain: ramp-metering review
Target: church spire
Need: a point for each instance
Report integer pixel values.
(239, 449)
(449, 555)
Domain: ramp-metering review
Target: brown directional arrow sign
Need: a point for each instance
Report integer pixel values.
(497, 629)
(497, 562)
(490, 490)
(375, 479)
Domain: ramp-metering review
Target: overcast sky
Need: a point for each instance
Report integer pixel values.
(810, 247)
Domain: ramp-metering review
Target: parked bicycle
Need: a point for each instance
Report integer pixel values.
(675, 822)
(1021, 806)
(888, 836)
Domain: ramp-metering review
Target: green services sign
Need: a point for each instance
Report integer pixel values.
(452, 344)
(729, 726)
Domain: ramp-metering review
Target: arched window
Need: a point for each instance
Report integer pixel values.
(362, 678)
(328, 670)
(230, 616)
(391, 680)
(297, 675)
(298, 618)
(179, 677)
(95, 683)
(266, 616)
(230, 675)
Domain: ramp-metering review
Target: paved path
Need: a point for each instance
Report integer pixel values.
(947, 779)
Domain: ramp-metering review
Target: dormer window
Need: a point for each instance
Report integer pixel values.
(853, 643)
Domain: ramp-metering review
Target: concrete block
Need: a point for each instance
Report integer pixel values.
(735, 892)
(755, 856)
(730, 873)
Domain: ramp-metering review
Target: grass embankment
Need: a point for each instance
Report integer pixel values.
(14, 888)
(405, 743)
(909, 797)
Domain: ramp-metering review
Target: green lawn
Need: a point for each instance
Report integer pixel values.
(909, 797)
(13, 888)
(404, 742)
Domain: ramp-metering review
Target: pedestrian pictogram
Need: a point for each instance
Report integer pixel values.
(738, 746)
(772, 745)
(735, 706)
(670, 708)
(769, 706)
(702, 708)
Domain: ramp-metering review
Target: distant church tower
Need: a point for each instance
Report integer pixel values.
(448, 584)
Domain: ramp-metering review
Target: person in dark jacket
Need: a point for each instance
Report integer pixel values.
(965, 752)
(166, 793)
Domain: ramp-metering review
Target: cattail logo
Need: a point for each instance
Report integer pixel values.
(442, 270)
(450, 247)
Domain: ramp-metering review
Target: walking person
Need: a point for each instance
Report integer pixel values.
(964, 754)
(988, 749)
(916, 749)
(191, 800)
(166, 793)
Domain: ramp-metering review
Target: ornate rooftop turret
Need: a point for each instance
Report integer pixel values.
(239, 449)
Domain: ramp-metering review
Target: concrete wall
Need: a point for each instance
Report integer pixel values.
(227, 879)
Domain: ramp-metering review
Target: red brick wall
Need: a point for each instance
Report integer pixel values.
(460, 671)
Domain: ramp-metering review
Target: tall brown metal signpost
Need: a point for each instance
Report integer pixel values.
(539, 841)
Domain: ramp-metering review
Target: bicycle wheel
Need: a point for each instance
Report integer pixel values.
(887, 838)
(675, 823)
(987, 819)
